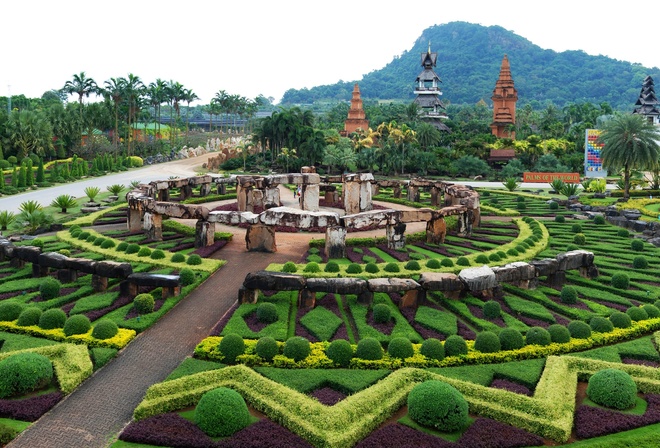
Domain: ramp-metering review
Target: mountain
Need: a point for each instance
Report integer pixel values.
(469, 59)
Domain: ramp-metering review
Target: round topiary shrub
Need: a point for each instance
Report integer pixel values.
(568, 295)
(576, 228)
(105, 329)
(487, 342)
(109, 244)
(612, 388)
(640, 262)
(601, 324)
(83, 235)
(512, 252)
(636, 313)
(49, 288)
(400, 348)
(520, 199)
(571, 247)
(133, 248)
(432, 348)
(144, 303)
(297, 348)
(455, 345)
(186, 276)
(231, 346)
(99, 241)
(599, 220)
(433, 263)
(381, 313)
(652, 311)
(620, 319)
(392, 267)
(579, 239)
(340, 352)
(157, 254)
(412, 265)
(52, 318)
(10, 310)
(178, 258)
(194, 260)
(77, 324)
(354, 268)
(620, 280)
(312, 267)
(579, 329)
(559, 333)
(267, 348)
(221, 412)
(521, 206)
(121, 247)
(463, 261)
(511, 339)
(637, 245)
(492, 310)
(74, 228)
(623, 233)
(494, 257)
(537, 336)
(267, 312)
(29, 316)
(370, 349)
(560, 218)
(24, 372)
(371, 268)
(481, 259)
(438, 405)
(91, 238)
(553, 205)
(331, 266)
(447, 262)
(289, 266)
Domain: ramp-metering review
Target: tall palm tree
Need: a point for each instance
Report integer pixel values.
(82, 86)
(176, 93)
(188, 96)
(114, 90)
(630, 143)
(157, 95)
(134, 89)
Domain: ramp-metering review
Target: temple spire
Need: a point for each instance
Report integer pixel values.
(504, 99)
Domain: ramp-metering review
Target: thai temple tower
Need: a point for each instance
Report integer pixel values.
(428, 92)
(504, 99)
(647, 103)
(356, 116)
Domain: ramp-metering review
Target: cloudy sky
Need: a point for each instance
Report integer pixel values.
(266, 47)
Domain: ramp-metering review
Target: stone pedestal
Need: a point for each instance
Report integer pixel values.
(310, 197)
(271, 198)
(351, 192)
(99, 283)
(436, 230)
(435, 196)
(335, 242)
(557, 280)
(164, 195)
(409, 299)
(38, 270)
(153, 226)
(413, 194)
(396, 238)
(375, 189)
(365, 298)
(306, 299)
(204, 189)
(67, 275)
(260, 238)
(366, 203)
(396, 192)
(246, 295)
(222, 188)
(204, 233)
(589, 271)
(464, 226)
(186, 192)
(134, 221)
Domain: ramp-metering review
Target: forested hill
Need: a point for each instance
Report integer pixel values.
(469, 60)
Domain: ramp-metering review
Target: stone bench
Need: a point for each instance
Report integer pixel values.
(170, 284)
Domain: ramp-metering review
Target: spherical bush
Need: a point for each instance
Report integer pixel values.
(267, 312)
(382, 313)
(157, 254)
(487, 342)
(144, 303)
(481, 259)
(433, 263)
(412, 265)
(370, 349)
(492, 309)
(400, 348)
(50, 288)
(599, 220)
(10, 310)
(494, 257)
(432, 348)
(99, 241)
(579, 329)
(455, 345)
(576, 228)
(186, 276)
(463, 261)
(340, 352)
(105, 329)
(289, 266)
(354, 268)
(392, 267)
(312, 266)
(83, 235)
(520, 199)
(77, 324)
(570, 247)
(297, 348)
(511, 339)
(438, 405)
(559, 333)
(521, 206)
(553, 205)
(652, 311)
(601, 324)
(178, 258)
(569, 295)
(620, 319)
(331, 266)
(371, 268)
(29, 316)
(623, 233)
(194, 260)
(579, 239)
(512, 252)
(267, 348)
(231, 346)
(91, 238)
(620, 280)
(74, 228)
(221, 412)
(447, 262)
(121, 247)
(52, 318)
(612, 388)
(133, 248)
(560, 218)
(640, 262)
(537, 336)
(637, 245)
(24, 372)
(108, 244)
(636, 313)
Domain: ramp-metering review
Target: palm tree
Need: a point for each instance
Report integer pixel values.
(630, 143)
(82, 86)
(188, 96)
(157, 94)
(114, 90)
(176, 93)
(134, 89)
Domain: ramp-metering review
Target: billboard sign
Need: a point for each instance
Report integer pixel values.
(593, 164)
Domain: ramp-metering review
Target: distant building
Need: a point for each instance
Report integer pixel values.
(427, 89)
(356, 117)
(647, 103)
(504, 99)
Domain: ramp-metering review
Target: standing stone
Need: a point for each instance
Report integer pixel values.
(310, 197)
(186, 192)
(413, 193)
(396, 238)
(436, 230)
(335, 242)
(271, 197)
(260, 238)
(306, 299)
(153, 225)
(204, 189)
(99, 283)
(164, 194)
(351, 192)
(247, 295)
(222, 188)
(396, 192)
(134, 217)
(366, 203)
(204, 233)
(435, 196)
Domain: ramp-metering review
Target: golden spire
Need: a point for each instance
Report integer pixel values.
(429, 50)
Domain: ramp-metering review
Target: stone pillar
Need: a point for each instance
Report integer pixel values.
(260, 238)
(99, 283)
(351, 192)
(435, 196)
(257, 199)
(310, 197)
(436, 230)
(396, 192)
(186, 192)
(164, 194)
(38, 270)
(67, 275)
(204, 233)
(413, 194)
(589, 271)
(449, 199)
(222, 188)
(396, 238)
(271, 197)
(464, 226)
(246, 295)
(335, 242)
(204, 189)
(134, 217)
(375, 189)
(409, 299)
(306, 299)
(153, 225)
(365, 197)
(366, 297)
(557, 280)
(169, 291)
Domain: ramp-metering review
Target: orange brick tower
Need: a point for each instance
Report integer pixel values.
(356, 116)
(504, 99)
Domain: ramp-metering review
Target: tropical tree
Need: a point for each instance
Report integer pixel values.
(63, 202)
(188, 96)
(29, 131)
(114, 91)
(82, 86)
(630, 143)
(134, 89)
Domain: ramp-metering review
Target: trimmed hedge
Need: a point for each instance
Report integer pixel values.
(438, 405)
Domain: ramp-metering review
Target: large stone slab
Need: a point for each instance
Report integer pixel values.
(545, 267)
(514, 272)
(574, 259)
(53, 260)
(156, 280)
(478, 278)
(278, 281)
(337, 285)
(82, 264)
(370, 218)
(422, 214)
(260, 238)
(113, 269)
(441, 281)
(176, 210)
(392, 284)
(302, 219)
(28, 253)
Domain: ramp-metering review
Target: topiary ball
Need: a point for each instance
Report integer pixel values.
(559, 334)
(463, 261)
(221, 412)
(511, 339)
(289, 266)
(354, 268)
(381, 313)
(400, 348)
(432, 348)
(186, 276)
(52, 318)
(105, 329)
(560, 218)
(553, 205)
(157, 254)
(438, 405)
(537, 336)
(371, 268)
(312, 266)
(433, 263)
(231, 346)
(599, 220)
(637, 245)
(10, 310)
(568, 295)
(340, 352)
(487, 342)
(492, 309)
(49, 288)
(267, 312)
(29, 316)
(178, 258)
(623, 233)
(109, 244)
(144, 303)
(267, 348)
(620, 319)
(392, 267)
(620, 280)
(640, 262)
(636, 313)
(447, 262)
(579, 329)
(370, 349)
(481, 259)
(77, 324)
(579, 239)
(576, 228)
(412, 265)
(455, 345)
(612, 388)
(331, 266)
(297, 348)
(99, 241)
(24, 372)
(121, 247)
(651, 310)
(194, 260)
(133, 248)
(601, 324)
